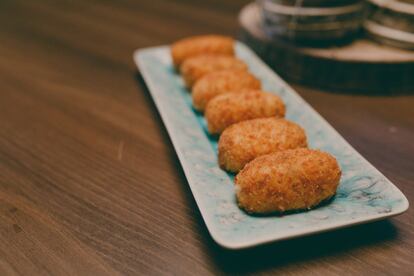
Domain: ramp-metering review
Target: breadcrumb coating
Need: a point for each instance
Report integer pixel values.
(285, 181)
(202, 44)
(227, 109)
(196, 67)
(221, 82)
(242, 142)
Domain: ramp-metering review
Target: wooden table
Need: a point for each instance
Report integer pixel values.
(89, 180)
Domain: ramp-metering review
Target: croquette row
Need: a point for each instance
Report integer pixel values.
(276, 170)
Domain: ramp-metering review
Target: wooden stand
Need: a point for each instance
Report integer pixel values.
(362, 65)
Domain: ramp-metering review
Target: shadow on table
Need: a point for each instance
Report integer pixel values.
(280, 253)
(300, 249)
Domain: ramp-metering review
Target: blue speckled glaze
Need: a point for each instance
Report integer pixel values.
(364, 193)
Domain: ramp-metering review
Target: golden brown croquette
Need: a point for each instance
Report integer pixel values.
(227, 109)
(196, 67)
(202, 44)
(221, 82)
(288, 180)
(242, 142)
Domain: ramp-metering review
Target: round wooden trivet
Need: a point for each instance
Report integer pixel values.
(362, 65)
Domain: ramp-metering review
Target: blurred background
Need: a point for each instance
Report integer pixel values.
(355, 45)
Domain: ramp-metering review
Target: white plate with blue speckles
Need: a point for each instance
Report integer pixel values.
(364, 194)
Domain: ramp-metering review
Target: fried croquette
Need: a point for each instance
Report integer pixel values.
(285, 181)
(194, 68)
(227, 109)
(242, 142)
(203, 44)
(221, 82)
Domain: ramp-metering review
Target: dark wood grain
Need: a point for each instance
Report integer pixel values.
(89, 180)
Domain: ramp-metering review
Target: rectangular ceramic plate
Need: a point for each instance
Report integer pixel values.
(364, 193)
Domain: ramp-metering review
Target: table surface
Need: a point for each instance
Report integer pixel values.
(89, 180)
